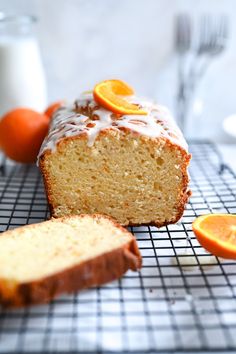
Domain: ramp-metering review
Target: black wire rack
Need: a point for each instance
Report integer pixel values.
(182, 300)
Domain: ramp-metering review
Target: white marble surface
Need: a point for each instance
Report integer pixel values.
(86, 41)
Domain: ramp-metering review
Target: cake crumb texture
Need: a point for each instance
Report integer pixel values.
(135, 179)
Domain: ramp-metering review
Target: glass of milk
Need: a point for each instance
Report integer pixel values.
(22, 79)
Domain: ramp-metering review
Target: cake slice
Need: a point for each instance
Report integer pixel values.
(131, 167)
(41, 261)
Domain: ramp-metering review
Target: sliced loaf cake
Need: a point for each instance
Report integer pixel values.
(40, 261)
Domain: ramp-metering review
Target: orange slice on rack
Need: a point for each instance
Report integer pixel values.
(217, 234)
(110, 94)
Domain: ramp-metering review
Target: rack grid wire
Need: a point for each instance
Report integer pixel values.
(182, 300)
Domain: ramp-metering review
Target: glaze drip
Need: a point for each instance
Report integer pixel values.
(85, 116)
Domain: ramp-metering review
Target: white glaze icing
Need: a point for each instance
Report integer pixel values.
(67, 122)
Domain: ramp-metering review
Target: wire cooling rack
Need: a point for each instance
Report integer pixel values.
(182, 300)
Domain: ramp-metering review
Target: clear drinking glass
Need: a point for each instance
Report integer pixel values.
(22, 78)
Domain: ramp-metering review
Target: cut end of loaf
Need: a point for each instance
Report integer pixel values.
(43, 260)
(134, 179)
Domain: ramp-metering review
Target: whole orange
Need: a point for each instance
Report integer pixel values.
(52, 108)
(21, 134)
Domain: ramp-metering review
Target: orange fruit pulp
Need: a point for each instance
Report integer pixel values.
(110, 94)
(217, 234)
(21, 134)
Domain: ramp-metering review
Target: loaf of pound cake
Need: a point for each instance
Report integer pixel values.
(41, 261)
(131, 167)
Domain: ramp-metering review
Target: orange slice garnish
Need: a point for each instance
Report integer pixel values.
(110, 94)
(217, 234)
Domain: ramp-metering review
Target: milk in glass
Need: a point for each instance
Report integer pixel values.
(22, 79)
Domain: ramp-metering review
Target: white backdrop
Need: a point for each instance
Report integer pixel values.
(84, 41)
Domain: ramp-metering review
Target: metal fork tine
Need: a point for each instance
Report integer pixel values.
(182, 39)
(220, 35)
(207, 31)
(219, 29)
(224, 27)
(177, 32)
(213, 33)
(203, 34)
(185, 31)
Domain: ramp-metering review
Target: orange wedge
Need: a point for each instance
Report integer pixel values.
(110, 94)
(217, 234)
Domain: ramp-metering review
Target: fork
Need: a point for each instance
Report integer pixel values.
(183, 45)
(212, 42)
